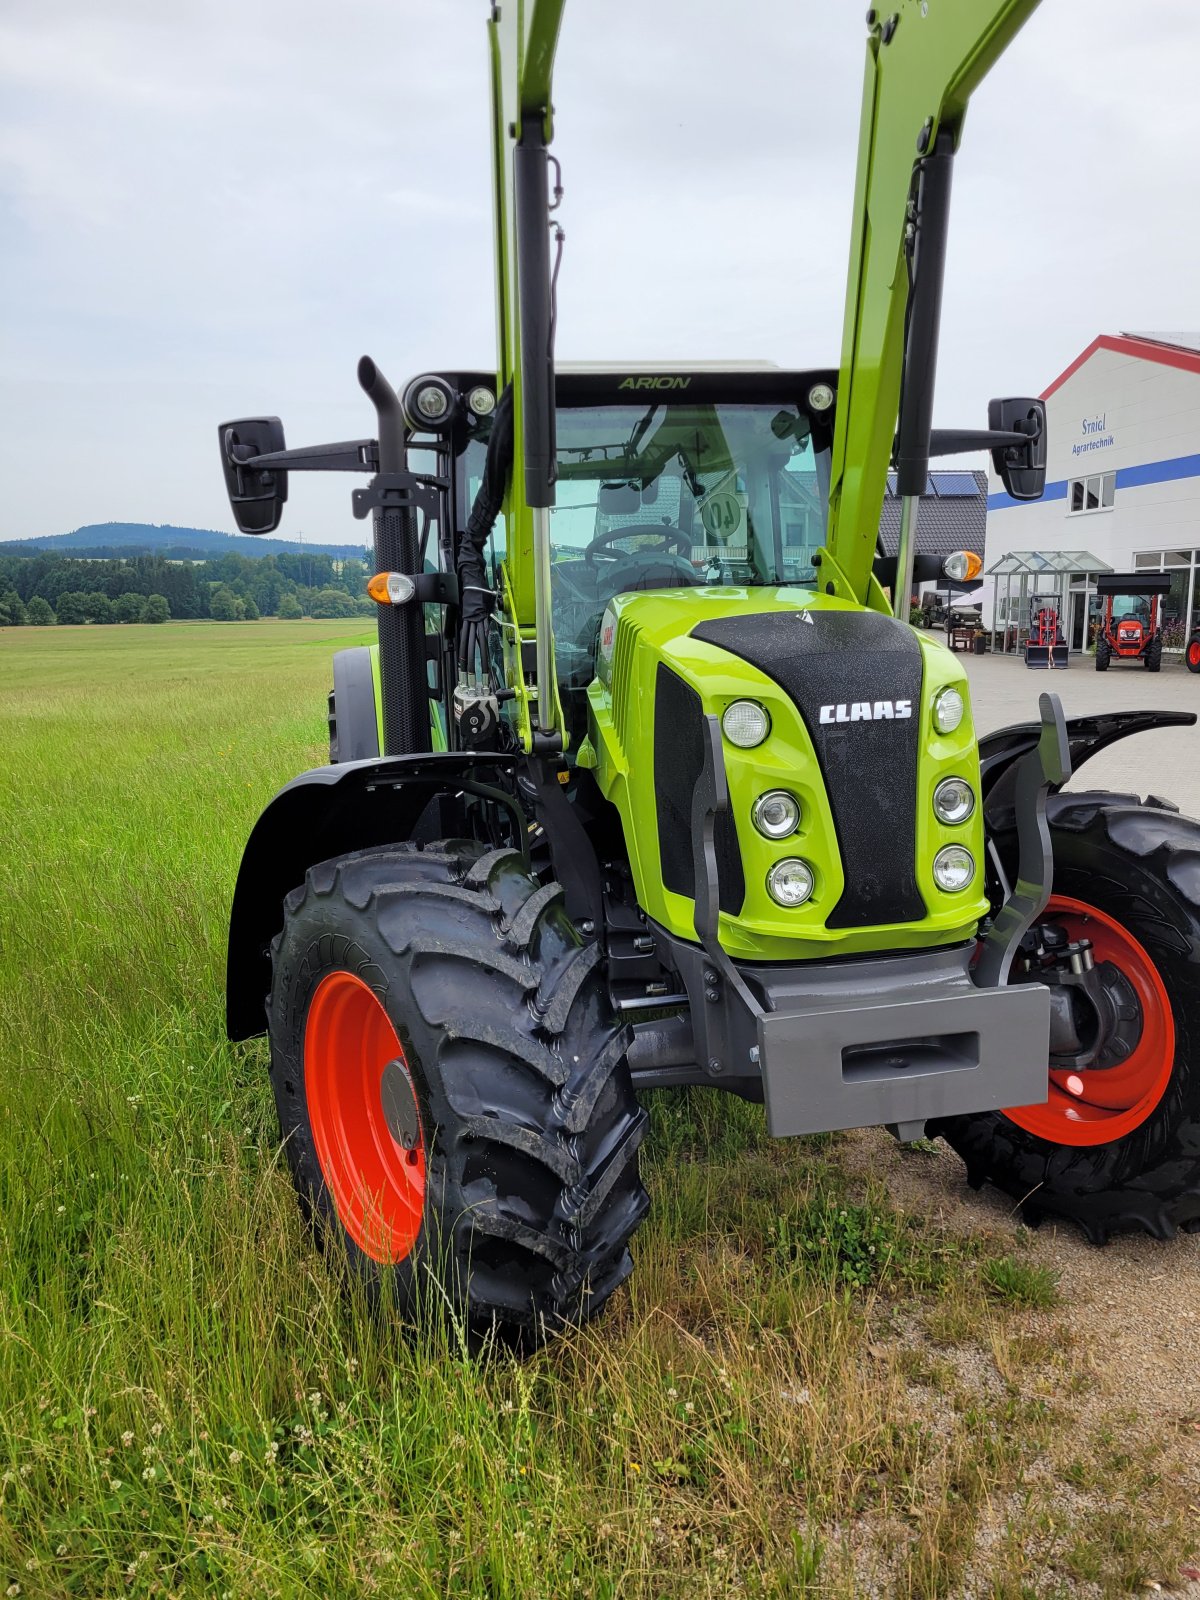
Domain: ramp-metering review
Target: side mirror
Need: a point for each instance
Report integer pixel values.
(1022, 467)
(256, 494)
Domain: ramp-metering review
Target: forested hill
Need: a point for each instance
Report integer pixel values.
(177, 544)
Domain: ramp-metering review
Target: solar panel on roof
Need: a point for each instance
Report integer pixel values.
(949, 484)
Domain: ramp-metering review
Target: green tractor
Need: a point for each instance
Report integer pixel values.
(650, 784)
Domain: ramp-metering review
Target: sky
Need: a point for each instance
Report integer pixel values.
(212, 208)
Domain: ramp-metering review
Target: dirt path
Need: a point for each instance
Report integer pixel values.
(1133, 1307)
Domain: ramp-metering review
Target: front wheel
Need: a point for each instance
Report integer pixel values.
(452, 1086)
(1192, 654)
(1103, 655)
(1117, 1144)
(1153, 656)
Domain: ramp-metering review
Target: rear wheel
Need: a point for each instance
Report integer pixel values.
(1117, 1145)
(1103, 654)
(452, 1087)
(1192, 655)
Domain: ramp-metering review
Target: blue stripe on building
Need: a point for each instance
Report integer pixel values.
(1127, 478)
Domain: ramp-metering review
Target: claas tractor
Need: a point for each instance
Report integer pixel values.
(649, 784)
(1131, 624)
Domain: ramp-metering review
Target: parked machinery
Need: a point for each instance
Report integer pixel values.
(1132, 631)
(1045, 647)
(644, 788)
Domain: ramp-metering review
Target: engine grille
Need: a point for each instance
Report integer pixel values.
(869, 766)
(678, 762)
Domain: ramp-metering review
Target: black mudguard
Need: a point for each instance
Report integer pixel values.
(999, 752)
(329, 812)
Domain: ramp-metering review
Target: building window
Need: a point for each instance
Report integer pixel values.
(1096, 493)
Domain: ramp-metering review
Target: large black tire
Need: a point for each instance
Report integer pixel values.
(1141, 866)
(1153, 656)
(529, 1124)
(1103, 654)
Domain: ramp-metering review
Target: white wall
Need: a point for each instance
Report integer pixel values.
(1151, 415)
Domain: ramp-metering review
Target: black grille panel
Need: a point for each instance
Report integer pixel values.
(869, 766)
(678, 761)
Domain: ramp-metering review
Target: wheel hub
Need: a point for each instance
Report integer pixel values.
(1112, 1035)
(399, 1104)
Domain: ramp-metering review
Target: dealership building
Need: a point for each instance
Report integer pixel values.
(1122, 489)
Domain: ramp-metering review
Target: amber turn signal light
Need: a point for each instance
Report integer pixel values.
(391, 588)
(964, 566)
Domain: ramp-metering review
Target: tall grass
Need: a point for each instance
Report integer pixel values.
(192, 1403)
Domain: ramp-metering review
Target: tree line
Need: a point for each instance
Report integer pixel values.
(47, 588)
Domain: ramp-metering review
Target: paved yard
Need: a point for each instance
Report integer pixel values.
(1165, 762)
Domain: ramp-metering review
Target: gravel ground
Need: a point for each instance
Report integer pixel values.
(1164, 762)
(1135, 1305)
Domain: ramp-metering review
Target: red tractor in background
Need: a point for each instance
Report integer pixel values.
(1132, 632)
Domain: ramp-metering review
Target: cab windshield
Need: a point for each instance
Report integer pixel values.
(701, 493)
(664, 495)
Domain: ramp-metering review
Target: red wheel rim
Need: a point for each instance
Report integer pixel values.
(1098, 1106)
(352, 1061)
(1193, 655)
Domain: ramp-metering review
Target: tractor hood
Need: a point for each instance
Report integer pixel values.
(850, 734)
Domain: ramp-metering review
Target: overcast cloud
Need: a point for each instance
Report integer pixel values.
(212, 208)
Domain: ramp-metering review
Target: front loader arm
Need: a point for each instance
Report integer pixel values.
(523, 37)
(924, 60)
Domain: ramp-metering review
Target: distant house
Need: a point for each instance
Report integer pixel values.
(1122, 479)
(952, 515)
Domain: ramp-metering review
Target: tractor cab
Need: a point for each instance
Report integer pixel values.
(698, 477)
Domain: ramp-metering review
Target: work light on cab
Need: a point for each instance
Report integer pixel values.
(948, 709)
(953, 800)
(745, 724)
(428, 404)
(776, 814)
(391, 588)
(481, 401)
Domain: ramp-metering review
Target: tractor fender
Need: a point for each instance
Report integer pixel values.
(1000, 752)
(330, 812)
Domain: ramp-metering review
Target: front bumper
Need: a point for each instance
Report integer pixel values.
(898, 1041)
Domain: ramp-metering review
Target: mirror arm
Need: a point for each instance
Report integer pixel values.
(353, 455)
(958, 441)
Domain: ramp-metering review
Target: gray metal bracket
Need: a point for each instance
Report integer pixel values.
(709, 799)
(1046, 766)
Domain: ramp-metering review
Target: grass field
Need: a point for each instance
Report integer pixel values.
(804, 1390)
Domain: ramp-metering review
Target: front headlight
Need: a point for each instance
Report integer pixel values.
(953, 868)
(948, 709)
(776, 814)
(790, 883)
(953, 800)
(745, 724)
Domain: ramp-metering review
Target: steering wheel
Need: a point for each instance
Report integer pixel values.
(670, 539)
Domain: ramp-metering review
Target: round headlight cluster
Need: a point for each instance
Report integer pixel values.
(428, 404)
(953, 800)
(745, 724)
(790, 882)
(481, 401)
(432, 402)
(776, 814)
(948, 709)
(953, 868)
